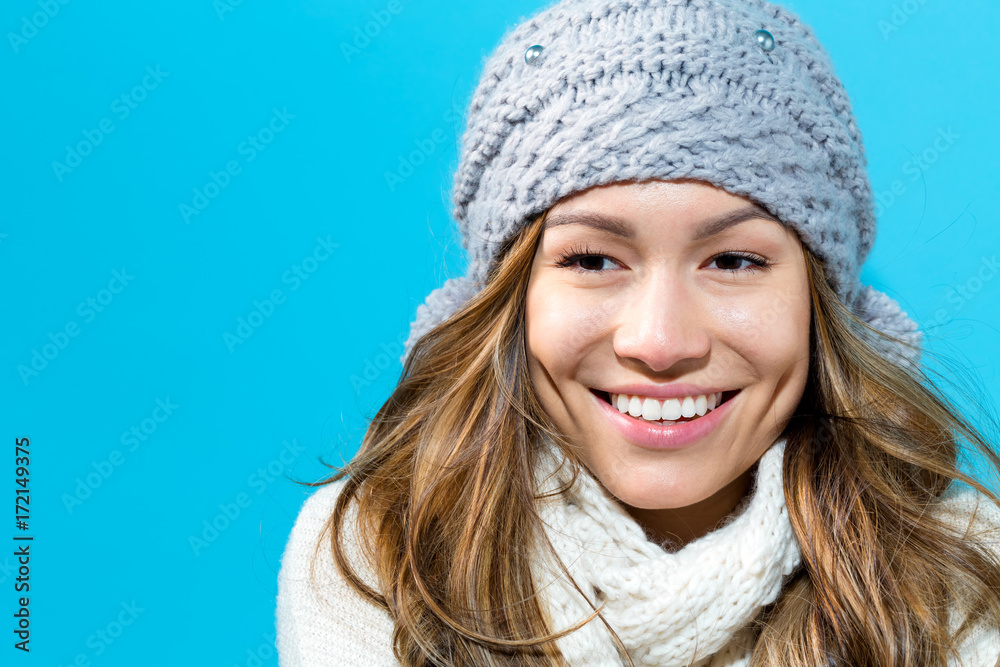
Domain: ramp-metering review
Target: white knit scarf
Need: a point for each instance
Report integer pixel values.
(689, 607)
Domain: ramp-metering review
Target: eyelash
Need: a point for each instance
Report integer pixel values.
(575, 254)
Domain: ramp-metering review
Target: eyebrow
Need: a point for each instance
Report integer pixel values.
(618, 226)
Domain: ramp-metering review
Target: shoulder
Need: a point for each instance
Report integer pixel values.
(978, 519)
(320, 619)
(971, 511)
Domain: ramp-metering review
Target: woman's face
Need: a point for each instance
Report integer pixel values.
(659, 291)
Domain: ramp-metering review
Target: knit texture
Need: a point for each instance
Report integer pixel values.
(632, 90)
(667, 607)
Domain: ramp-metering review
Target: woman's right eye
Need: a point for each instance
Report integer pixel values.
(584, 259)
(585, 263)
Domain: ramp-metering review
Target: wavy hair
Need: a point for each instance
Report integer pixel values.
(446, 502)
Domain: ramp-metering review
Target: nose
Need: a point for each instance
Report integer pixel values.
(662, 322)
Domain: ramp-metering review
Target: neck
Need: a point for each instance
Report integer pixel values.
(675, 528)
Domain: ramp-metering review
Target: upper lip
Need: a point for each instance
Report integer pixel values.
(676, 390)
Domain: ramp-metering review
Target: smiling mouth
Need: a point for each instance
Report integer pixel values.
(606, 397)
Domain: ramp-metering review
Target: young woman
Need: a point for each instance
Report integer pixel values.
(659, 421)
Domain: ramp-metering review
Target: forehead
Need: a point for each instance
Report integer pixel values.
(654, 192)
(628, 209)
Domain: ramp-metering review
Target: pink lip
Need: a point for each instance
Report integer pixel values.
(657, 436)
(663, 391)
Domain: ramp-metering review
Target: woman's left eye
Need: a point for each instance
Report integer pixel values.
(738, 261)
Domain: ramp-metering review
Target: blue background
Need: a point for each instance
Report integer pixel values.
(118, 529)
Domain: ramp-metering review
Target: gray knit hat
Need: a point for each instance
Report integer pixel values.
(737, 93)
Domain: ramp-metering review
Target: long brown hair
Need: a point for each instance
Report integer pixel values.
(445, 498)
(870, 450)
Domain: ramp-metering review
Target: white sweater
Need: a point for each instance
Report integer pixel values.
(327, 624)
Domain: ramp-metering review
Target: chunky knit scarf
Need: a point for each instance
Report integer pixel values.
(688, 607)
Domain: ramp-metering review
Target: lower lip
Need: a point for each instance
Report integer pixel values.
(653, 435)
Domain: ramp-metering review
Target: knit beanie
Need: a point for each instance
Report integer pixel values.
(736, 93)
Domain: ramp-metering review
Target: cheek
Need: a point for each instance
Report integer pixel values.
(543, 331)
(770, 328)
(562, 324)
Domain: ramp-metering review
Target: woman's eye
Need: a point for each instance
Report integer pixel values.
(588, 263)
(728, 261)
(595, 262)
(738, 262)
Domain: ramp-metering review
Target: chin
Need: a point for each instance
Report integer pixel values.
(642, 494)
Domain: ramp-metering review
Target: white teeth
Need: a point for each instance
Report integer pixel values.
(635, 406)
(687, 407)
(670, 409)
